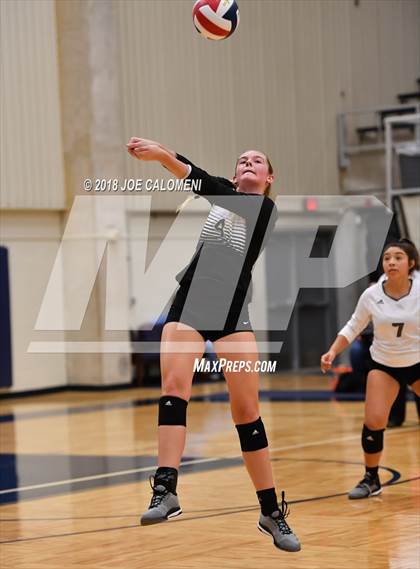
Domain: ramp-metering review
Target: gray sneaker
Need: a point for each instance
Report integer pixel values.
(276, 526)
(163, 506)
(369, 486)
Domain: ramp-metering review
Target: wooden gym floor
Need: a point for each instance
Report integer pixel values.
(75, 470)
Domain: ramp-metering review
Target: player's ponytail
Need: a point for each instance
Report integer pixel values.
(270, 171)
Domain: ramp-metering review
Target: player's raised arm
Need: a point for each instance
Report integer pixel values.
(150, 150)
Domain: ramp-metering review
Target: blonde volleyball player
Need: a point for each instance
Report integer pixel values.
(393, 305)
(235, 231)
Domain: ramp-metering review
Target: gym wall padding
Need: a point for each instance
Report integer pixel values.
(5, 324)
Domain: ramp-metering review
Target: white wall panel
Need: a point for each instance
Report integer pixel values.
(390, 62)
(410, 43)
(31, 150)
(32, 240)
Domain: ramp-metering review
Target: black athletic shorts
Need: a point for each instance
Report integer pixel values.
(404, 375)
(206, 311)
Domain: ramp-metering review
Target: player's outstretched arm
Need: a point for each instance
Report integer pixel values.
(339, 344)
(150, 150)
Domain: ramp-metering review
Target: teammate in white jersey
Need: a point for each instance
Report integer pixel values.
(393, 305)
(212, 303)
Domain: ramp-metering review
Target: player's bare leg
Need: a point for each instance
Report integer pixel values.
(177, 369)
(381, 392)
(243, 392)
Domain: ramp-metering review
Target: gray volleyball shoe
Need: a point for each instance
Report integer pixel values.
(276, 526)
(163, 506)
(369, 486)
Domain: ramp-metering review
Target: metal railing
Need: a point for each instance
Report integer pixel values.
(390, 145)
(378, 116)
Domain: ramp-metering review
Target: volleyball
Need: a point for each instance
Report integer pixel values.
(216, 19)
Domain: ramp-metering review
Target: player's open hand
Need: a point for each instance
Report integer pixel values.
(327, 360)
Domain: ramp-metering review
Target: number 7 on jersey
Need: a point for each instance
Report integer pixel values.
(400, 326)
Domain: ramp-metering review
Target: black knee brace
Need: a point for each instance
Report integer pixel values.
(252, 436)
(372, 441)
(172, 411)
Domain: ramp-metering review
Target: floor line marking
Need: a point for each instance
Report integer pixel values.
(194, 461)
(186, 519)
(97, 477)
(338, 439)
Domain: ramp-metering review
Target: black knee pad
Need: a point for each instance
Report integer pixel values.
(172, 411)
(372, 441)
(252, 436)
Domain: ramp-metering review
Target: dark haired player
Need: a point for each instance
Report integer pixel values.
(393, 305)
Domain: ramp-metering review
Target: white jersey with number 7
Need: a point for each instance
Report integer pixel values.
(396, 324)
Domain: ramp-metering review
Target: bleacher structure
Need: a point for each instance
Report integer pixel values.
(396, 131)
(405, 199)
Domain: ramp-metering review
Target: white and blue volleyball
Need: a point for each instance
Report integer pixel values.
(216, 19)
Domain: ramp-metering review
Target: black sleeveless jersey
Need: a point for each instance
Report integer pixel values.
(233, 236)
